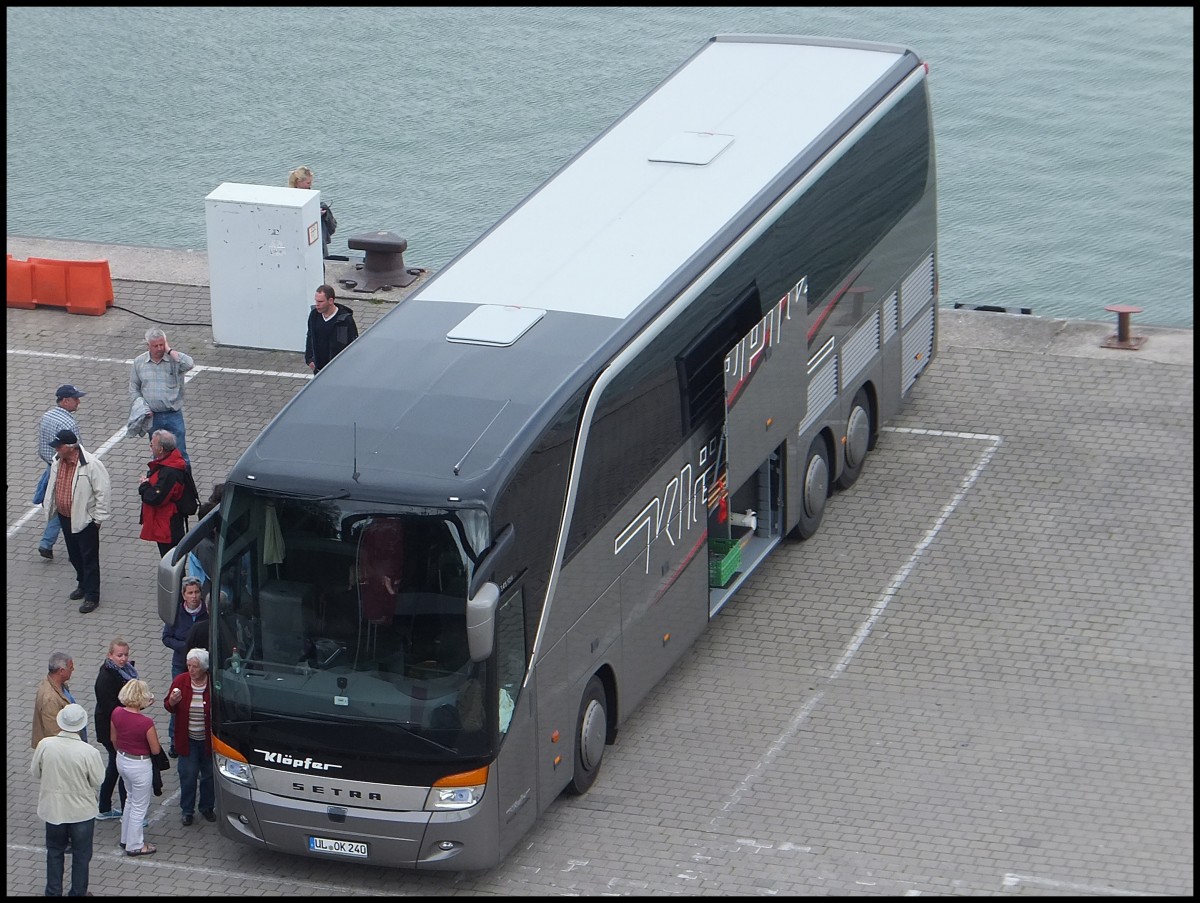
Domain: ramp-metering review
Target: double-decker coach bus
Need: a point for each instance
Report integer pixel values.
(458, 559)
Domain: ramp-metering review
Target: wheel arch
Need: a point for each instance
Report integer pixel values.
(608, 677)
(873, 396)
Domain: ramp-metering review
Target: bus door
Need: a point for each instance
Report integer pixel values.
(764, 387)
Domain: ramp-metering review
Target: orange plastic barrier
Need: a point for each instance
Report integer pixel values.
(81, 286)
(20, 283)
(49, 281)
(89, 287)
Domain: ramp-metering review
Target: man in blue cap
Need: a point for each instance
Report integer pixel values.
(59, 417)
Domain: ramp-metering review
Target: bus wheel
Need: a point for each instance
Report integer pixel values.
(858, 439)
(814, 491)
(590, 737)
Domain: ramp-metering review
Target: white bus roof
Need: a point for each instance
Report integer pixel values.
(610, 228)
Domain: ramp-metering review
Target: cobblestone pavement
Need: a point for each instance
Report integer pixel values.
(976, 680)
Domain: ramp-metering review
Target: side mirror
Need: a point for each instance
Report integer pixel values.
(481, 619)
(491, 560)
(170, 576)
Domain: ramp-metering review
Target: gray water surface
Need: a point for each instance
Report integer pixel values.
(1064, 136)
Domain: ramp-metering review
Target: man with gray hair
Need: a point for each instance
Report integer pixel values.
(53, 695)
(156, 377)
(162, 487)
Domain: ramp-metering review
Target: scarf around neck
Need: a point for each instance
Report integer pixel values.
(129, 672)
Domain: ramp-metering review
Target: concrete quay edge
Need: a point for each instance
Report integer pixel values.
(168, 266)
(957, 328)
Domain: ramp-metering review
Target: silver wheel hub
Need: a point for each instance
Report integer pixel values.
(591, 735)
(816, 485)
(858, 437)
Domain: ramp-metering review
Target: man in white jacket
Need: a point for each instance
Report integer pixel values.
(70, 772)
(77, 494)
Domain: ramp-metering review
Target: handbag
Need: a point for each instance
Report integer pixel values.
(160, 760)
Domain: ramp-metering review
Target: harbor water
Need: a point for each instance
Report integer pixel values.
(1064, 136)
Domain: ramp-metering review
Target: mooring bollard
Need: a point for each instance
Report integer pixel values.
(1123, 340)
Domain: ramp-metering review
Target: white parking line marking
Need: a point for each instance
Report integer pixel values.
(864, 630)
(112, 440)
(243, 371)
(1011, 880)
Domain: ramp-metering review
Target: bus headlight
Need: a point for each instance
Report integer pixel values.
(442, 798)
(457, 791)
(238, 772)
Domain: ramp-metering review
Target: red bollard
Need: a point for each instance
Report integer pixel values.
(1123, 340)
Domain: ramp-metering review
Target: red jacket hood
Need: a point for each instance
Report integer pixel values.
(173, 460)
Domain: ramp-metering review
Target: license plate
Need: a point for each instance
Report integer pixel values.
(342, 847)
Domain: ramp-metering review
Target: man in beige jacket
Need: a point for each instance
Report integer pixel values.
(77, 493)
(70, 773)
(53, 695)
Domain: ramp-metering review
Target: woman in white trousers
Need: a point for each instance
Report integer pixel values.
(136, 740)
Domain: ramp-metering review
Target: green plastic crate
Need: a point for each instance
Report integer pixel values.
(724, 558)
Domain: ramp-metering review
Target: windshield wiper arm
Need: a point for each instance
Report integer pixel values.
(412, 728)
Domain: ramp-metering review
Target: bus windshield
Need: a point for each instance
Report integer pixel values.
(337, 619)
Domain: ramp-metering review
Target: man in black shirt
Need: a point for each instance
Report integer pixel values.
(331, 328)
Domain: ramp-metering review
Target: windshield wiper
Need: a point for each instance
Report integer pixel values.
(412, 728)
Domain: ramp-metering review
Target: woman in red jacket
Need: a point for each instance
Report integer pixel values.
(188, 701)
(160, 489)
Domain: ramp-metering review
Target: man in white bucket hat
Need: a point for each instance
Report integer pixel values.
(70, 772)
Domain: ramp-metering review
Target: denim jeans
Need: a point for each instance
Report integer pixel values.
(51, 533)
(195, 767)
(172, 421)
(53, 527)
(80, 834)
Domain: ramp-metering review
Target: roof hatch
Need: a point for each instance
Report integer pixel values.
(493, 324)
(696, 148)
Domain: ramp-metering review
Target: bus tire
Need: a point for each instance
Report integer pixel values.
(814, 490)
(591, 734)
(858, 439)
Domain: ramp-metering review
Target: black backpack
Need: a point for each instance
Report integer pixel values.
(189, 502)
